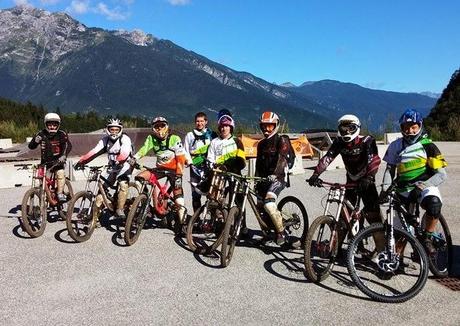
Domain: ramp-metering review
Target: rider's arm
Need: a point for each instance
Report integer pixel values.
(96, 151)
(439, 177)
(125, 150)
(148, 145)
(188, 140)
(388, 176)
(283, 152)
(179, 152)
(211, 152)
(328, 158)
(373, 160)
(66, 145)
(436, 164)
(33, 144)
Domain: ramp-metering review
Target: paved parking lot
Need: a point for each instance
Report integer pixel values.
(50, 280)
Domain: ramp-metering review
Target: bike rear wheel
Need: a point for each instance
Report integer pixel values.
(63, 207)
(33, 213)
(321, 248)
(80, 219)
(136, 219)
(441, 261)
(230, 236)
(204, 229)
(382, 277)
(295, 220)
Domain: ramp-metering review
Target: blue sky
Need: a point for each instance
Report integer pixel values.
(394, 45)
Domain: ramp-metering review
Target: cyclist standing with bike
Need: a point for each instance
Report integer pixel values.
(271, 163)
(196, 146)
(170, 155)
(54, 147)
(420, 168)
(360, 156)
(119, 149)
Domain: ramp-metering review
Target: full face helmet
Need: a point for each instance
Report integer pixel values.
(349, 127)
(411, 117)
(160, 128)
(114, 128)
(52, 122)
(269, 123)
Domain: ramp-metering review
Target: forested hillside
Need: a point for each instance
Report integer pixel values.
(444, 120)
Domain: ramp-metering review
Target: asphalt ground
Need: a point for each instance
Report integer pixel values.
(53, 281)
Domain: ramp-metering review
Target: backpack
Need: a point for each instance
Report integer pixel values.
(290, 157)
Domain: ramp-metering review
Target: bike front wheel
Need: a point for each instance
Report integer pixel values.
(321, 248)
(205, 228)
(441, 261)
(136, 219)
(33, 213)
(386, 276)
(295, 220)
(81, 220)
(230, 235)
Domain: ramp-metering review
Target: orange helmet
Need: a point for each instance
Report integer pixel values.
(269, 123)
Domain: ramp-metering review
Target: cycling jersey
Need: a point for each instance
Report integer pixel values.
(417, 162)
(271, 157)
(196, 145)
(360, 157)
(169, 152)
(228, 152)
(52, 146)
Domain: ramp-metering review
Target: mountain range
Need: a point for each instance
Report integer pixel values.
(52, 59)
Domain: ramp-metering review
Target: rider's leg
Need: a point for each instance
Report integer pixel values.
(60, 182)
(122, 196)
(178, 193)
(196, 197)
(371, 209)
(432, 206)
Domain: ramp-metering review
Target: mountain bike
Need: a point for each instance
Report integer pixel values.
(204, 228)
(83, 215)
(160, 196)
(42, 198)
(294, 214)
(327, 232)
(394, 269)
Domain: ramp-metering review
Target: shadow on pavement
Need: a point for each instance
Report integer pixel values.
(59, 237)
(20, 233)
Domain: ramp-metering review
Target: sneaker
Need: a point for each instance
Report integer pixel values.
(281, 238)
(62, 198)
(120, 213)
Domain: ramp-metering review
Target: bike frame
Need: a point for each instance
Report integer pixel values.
(95, 175)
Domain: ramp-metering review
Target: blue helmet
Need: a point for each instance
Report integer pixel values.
(411, 116)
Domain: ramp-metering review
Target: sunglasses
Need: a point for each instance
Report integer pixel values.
(159, 126)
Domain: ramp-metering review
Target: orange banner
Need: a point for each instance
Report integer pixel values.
(300, 144)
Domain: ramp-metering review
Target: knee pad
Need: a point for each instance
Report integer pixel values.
(60, 175)
(432, 205)
(270, 206)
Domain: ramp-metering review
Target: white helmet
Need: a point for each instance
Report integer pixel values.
(52, 117)
(114, 123)
(269, 118)
(349, 127)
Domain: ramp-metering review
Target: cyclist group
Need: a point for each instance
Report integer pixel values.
(414, 162)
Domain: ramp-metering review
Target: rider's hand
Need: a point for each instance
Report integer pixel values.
(272, 178)
(131, 161)
(383, 197)
(38, 139)
(79, 166)
(415, 194)
(364, 183)
(62, 159)
(314, 180)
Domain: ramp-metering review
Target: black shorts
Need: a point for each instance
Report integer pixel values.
(275, 187)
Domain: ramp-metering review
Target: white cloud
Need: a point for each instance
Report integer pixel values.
(111, 14)
(24, 3)
(78, 7)
(179, 2)
(49, 2)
